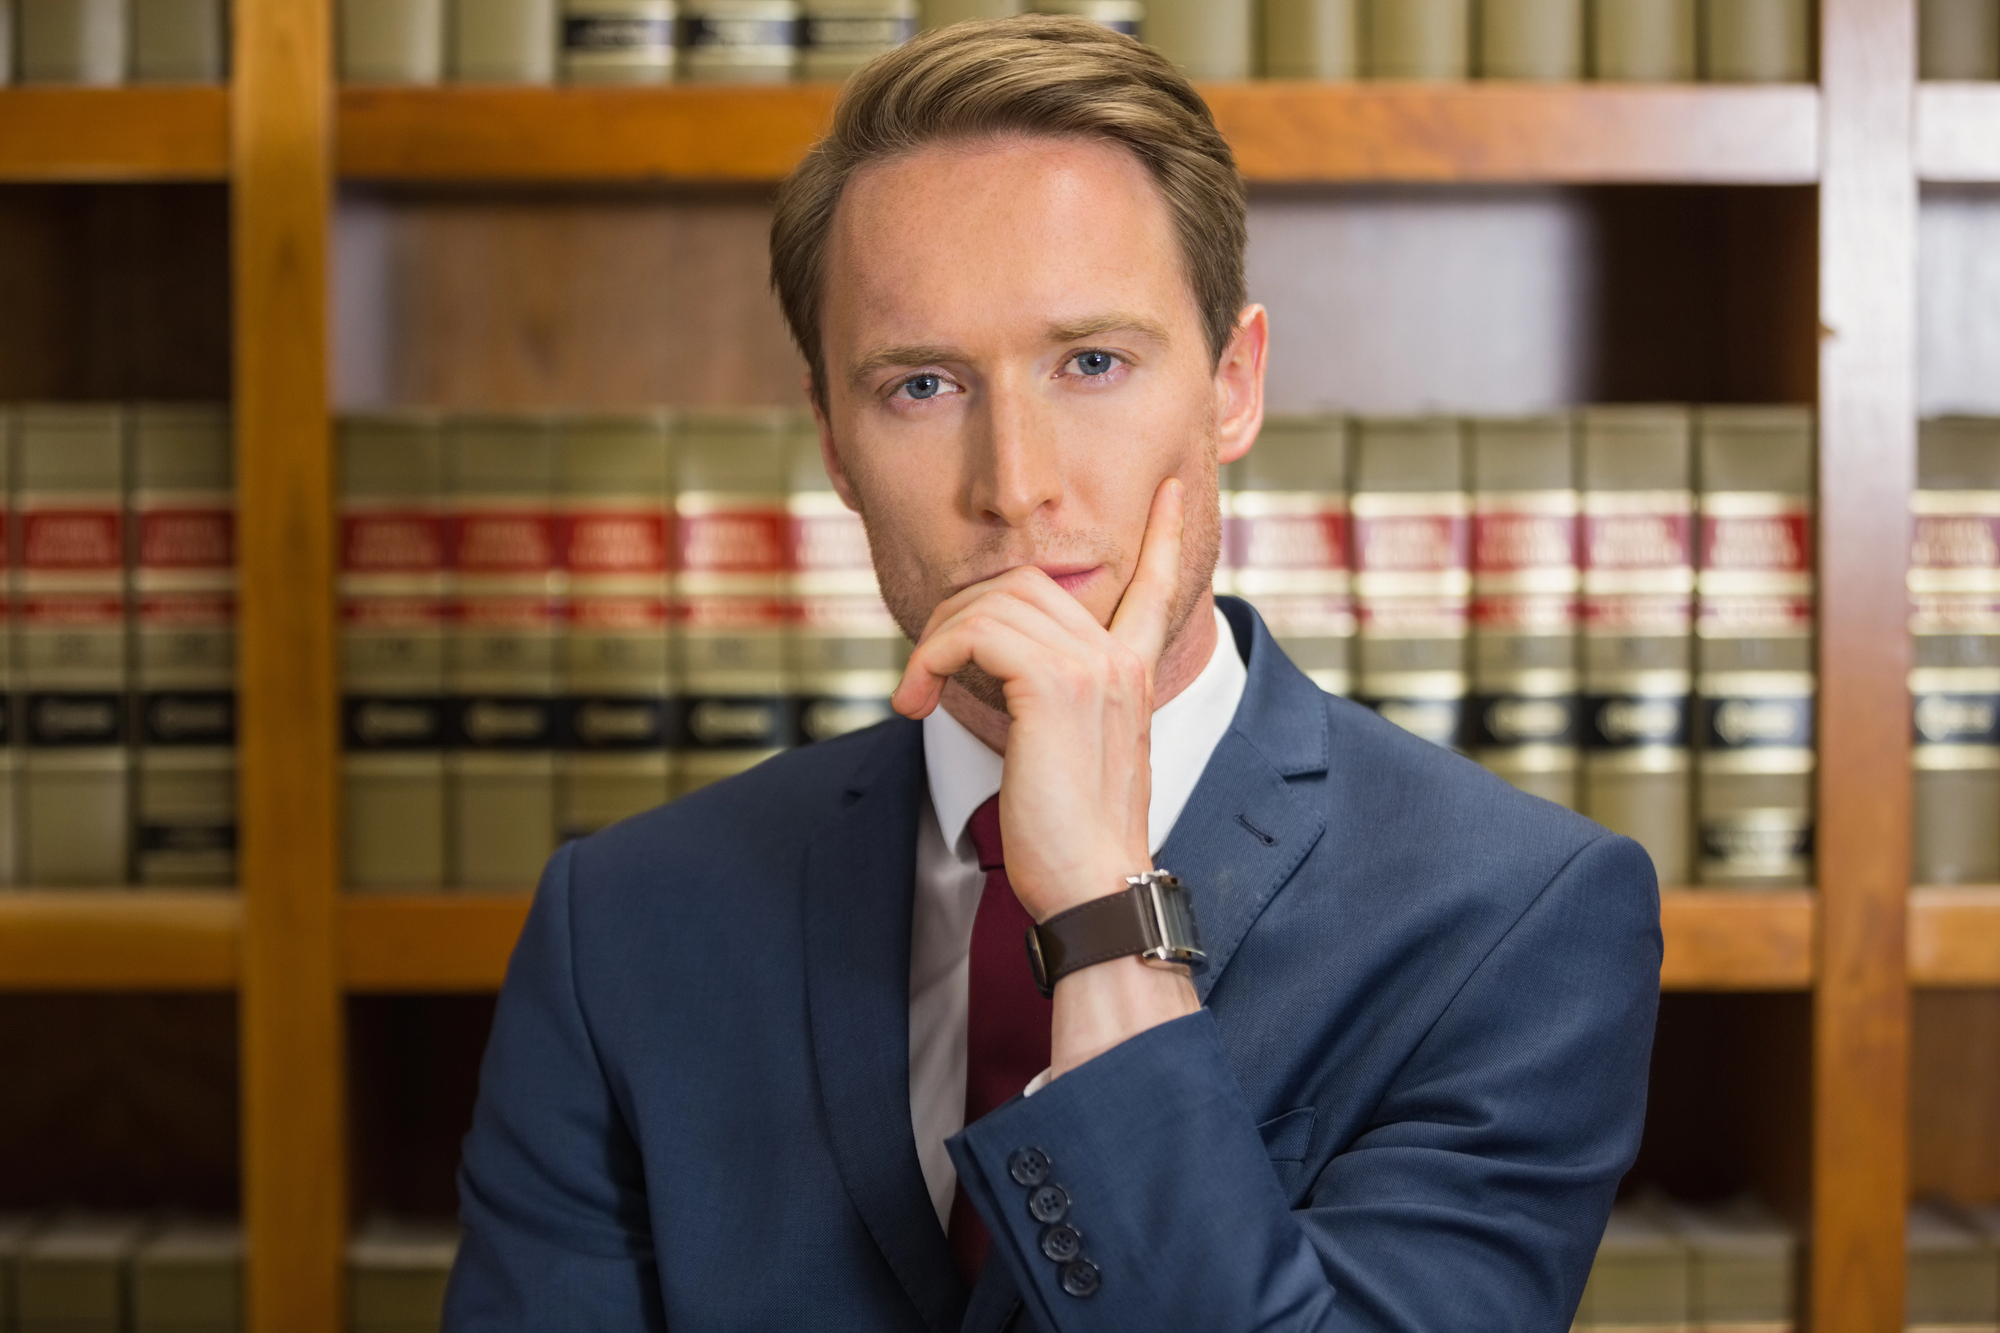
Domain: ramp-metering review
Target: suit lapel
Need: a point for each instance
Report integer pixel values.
(860, 881)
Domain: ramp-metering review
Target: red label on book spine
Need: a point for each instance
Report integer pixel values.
(72, 541)
(187, 539)
(392, 542)
(503, 542)
(614, 542)
(740, 541)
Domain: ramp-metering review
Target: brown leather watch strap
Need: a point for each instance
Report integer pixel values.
(1098, 931)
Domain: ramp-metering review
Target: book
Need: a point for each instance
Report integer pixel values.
(391, 41)
(503, 41)
(15, 1232)
(1756, 41)
(1417, 39)
(500, 655)
(1412, 575)
(394, 552)
(838, 37)
(182, 534)
(739, 41)
(1207, 39)
(944, 13)
(730, 586)
(847, 652)
(1636, 472)
(1524, 720)
(613, 478)
(10, 730)
(179, 41)
(75, 1274)
(1953, 1275)
(187, 1277)
(1285, 543)
(1954, 582)
(1640, 1280)
(1742, 1265)
(70, 632)
(1126, 16)
(1539, 40)
(1311, 39)
(618, 41)
(396, 1275)
(1958, 39)
(72, 41)
(1642, 41)
(6, 42)
(1754, 660)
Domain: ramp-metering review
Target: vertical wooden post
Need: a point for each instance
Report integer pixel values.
(294, 1167)
(1867, 399)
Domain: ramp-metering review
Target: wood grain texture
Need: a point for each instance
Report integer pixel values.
(1958, 131)
(1955, 937)
(1867, 397)
(1955, 1095)
(428, 943)
(1722, 941)
(294, 1094)
(118, 940)
(114, 134)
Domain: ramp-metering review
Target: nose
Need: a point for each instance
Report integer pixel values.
(1016, 472)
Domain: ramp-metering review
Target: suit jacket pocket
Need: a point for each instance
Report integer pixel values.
(1285, 1142)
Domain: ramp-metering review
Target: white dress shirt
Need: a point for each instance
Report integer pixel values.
(963, 774)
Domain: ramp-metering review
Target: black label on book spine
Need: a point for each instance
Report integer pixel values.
(503, 722)
(1498, 721)
(178, 717)
(740, 34)
(735, 722)
(75, 721)
(192, 836)
(598, 724)
(1956, 719)
(821, 718)
(6, 719)
(1755, 843)
(1439, 721)
(617, 32)
(1630, 722)
(1757, 723)
(392, 722)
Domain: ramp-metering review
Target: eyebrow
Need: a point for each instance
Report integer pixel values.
(886, 357)
(1115, 322)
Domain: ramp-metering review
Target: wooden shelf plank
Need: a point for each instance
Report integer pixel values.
(429, 942)
(119, 939)
(1955, 936)
(1283, 132)
(1958, 131)
(114, 134)
(1737, 941)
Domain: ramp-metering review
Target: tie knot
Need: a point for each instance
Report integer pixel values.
(984, 826)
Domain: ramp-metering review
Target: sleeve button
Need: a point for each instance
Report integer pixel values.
(1080, 1278)
(1048, 1204)
(1062, 1244)
(1029, 1166)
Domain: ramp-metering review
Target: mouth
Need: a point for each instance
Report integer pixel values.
(1072, 579)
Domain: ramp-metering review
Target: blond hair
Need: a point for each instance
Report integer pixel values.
(1034, 75)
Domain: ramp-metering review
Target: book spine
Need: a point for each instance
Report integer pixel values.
(612, 531)
(392, 41)
(394, 549)
(739, 41)
(179, 41)
(1311, 39)
(503, 41)
(944, 13)
(1287, 556)
(1531, 39)
(1126, 16)
(1643, 41)
(1958, 39)
(618, 41)
(73, 41)
(1756, 41)
(71, 620)
(6, 52)
(182, 531)
(1208, 39)
(501, 655)
(1418, 39)
(10, 731)
(838, 37)
(1524, 720)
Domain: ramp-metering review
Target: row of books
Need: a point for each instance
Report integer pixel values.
(1958, 39)
(655, 41)
(107, 42)
(82, 1273)
(117, 670)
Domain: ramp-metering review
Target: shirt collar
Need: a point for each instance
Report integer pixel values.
(963, 773)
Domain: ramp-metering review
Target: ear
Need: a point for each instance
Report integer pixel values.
(836, 472)
(1239, 385)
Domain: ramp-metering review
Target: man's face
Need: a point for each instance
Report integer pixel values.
(1014, 363)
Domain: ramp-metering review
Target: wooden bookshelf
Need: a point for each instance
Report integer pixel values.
(1955, 936)
(1958, 131)
(114, 134)
(428, 943)
(1737, 941)
(119, 939)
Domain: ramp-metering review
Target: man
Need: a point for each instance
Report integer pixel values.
(773, 1056)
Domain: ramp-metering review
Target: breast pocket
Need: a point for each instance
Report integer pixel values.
(1286, 1140)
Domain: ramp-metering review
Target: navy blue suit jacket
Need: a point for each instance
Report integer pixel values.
(1418, 1076)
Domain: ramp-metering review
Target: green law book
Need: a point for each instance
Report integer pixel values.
(1958, 39)
(1754, 647)
(1126, 16)
(1417, 39)
(944, 13)
(1954, 582)
(74, 1276)
(396, 1276)
(840, 36)
(1412, 581)
(1540, 40)
(1642, 41)
(73, 41)
(179, 41)
(739, 41)
(1208, 39)
(181, 525)
(503, 41)
(10, 705)
(613, 477)
(394, 553)
(392, 41)
(188, 1278)
(1743, 1262)
(1635, 469)
(6, 42)
(732, 473)
(618, 41)
(1285, 538)
(500, 656)
(1524, 720)
(70, 608)
(1953, 1274)
(1756, 41)
(1312, 39)
(1640, 1281)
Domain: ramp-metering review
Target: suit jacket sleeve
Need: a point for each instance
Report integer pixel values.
(550, 1190)
(1473, 1199)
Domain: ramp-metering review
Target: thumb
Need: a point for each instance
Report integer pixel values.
(1144, 613)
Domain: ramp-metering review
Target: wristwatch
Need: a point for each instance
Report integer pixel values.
(1153, 918)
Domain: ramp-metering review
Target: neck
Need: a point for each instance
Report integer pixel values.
(1183, 660)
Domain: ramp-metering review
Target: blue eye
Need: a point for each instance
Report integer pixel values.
(923, 386)
(1095, 363)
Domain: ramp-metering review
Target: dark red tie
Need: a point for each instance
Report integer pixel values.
(1007, 1022)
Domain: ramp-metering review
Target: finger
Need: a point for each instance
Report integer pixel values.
(999, 649)
(1146, 610)
(930, 665)
(1027, 583)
